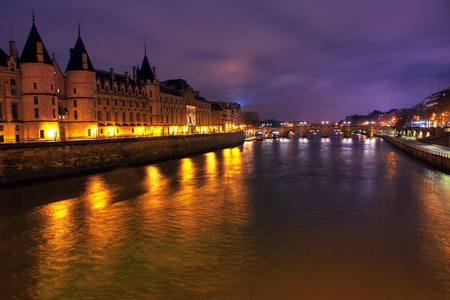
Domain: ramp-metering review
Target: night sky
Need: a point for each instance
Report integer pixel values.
(310, 60)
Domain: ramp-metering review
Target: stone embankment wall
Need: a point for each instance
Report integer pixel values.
(22, 162)
(436, 160)
(442, 139)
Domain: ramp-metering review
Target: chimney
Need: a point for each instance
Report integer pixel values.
(154, 73)
(39, 52)
(126, 76)
(111, 72)
(84, 61)
(134, 74)
(12, 48)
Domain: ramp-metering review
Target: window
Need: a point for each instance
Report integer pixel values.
(150, 93)
(124, 117)
(131, 117)
(143, 104)
(107, 88)
(89, 132)
(108, 116)
(74, 91)
(115, 102)
(138, 118)
(1, 127)
(122, 102)
(151, 120)
(36, 113)
(13, 92)
(17, 138)
(116, 116)
(132, 130)
(101, 131)
(115, 89)
(107, 101)
(99, 101)
(14, 110)
(54, 113)
(13, 67)
(137, 104)
(57, 90)
(51, 86)
(98, 87)
(13, 82)
(150, 109)
(99, 115)
(41, 134)
(74, 103)
(2, 139)
(35, 85)
(53, 100)
(36, 100)
(75, 115)
(17, 128)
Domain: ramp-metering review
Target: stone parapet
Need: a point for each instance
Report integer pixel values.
(439, 159)
(23, 162)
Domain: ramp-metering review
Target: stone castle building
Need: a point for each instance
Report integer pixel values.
(40, 102)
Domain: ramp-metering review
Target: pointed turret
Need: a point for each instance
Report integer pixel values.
(3, 58)
(145, 73)
(79, 58)
(34, 50)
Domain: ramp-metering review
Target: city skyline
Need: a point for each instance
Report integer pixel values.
(288, 61)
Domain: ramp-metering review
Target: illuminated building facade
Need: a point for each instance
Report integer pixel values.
(40, 102)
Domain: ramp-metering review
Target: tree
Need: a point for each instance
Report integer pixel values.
(251, 118)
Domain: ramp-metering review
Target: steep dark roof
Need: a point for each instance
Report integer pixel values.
(29, 53)
(120, 79)
(146, 71)
(3, 58)
(76, 58)
(201, 99)
(169, 91)
(179, 84)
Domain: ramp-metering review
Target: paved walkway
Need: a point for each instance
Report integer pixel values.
(430, 148)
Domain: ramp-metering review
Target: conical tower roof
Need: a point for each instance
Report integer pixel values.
(3, 58)
(76, 57)
(29, 53)
(146, 71)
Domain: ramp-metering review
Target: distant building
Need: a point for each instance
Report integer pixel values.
(40, 102)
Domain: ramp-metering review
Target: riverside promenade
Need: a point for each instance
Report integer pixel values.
(436, 155)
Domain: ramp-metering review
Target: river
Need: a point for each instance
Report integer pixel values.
(278, 219)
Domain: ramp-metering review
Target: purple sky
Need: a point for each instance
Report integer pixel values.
(290, 60)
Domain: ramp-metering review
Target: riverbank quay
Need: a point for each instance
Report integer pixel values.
(20, 163)
(436, 155)
(442, 139)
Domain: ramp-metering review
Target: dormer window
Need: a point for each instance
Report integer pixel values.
(74, 91)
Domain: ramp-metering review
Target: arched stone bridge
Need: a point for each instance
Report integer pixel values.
(347, 130)
(370, 131)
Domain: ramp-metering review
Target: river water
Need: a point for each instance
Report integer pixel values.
(282, 219)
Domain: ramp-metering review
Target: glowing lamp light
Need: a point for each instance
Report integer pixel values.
(139, 130)
(51, 132)
(111, 130)
(94, 130)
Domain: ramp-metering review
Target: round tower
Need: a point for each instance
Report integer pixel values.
(81, 95)
(38, 107)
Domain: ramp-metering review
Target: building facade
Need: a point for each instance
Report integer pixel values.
(40, 102)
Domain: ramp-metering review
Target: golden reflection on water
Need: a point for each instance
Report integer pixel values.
(97, 192)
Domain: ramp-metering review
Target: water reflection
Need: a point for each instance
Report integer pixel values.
(313, 219)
